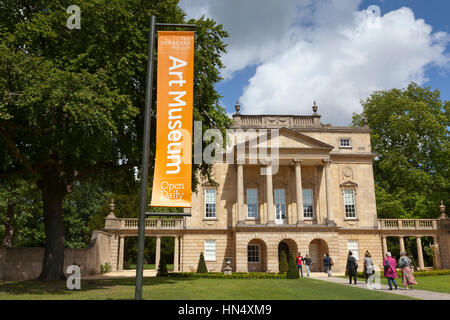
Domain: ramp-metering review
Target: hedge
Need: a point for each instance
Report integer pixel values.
(236, 275)
(416, 273)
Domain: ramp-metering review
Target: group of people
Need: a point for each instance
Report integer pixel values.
(389, 266)
(303, 261)
(306, 261)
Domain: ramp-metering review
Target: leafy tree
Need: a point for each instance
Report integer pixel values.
(20, 214)
(410, 137)
(201, 268)
(283, 264)
(292, 272)
(71, 101)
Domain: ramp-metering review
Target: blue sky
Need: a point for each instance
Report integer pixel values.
(280, 59)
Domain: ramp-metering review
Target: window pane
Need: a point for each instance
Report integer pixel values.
(210, 250)
(210, 203)
(345, 142)
(353, 246)
(349, 202)
(308, 203)
(280, 203)
(253, 253)
(252, 203)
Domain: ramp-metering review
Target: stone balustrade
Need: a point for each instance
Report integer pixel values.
(266, 121)
(150, 224)
(408, 224)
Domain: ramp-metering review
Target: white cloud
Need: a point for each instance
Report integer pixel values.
(323, 50)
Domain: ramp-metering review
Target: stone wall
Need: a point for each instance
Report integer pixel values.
(26, 263)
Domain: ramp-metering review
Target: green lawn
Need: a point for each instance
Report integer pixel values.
(430, 283)
(191, 289)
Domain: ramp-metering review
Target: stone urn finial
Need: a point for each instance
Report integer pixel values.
(442, 210)
(315, 107)
(365, 122)
(237, 107)
(111, 214)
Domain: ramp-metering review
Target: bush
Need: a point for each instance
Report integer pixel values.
(292, 272)
(283, 266)
(105, 268)
(162, 267)
(201, 268)
(235, 275)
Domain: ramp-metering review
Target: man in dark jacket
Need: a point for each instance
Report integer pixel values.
(351, 267)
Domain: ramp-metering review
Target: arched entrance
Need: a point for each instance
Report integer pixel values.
(317, 249)
(257, 256)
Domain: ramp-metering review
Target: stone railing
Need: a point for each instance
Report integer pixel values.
(268, 121)
(408, 224)
(150, 224)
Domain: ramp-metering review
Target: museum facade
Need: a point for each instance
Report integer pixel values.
(314, 195)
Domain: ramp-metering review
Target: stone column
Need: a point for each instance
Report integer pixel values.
(437, 253)
(383, 238)
(298, 191)
(158, 251)
(330, 218)
(181, 254)
(269, 189)
(240, 192)
(402, 243)
(176, 257)
(420, 253)
(121, 251)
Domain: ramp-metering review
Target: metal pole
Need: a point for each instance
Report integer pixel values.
(145, 156)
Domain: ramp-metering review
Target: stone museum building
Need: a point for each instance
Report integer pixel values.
(313, 194)
(317, 197)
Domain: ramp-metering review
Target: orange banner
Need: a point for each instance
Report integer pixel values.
(173, 163)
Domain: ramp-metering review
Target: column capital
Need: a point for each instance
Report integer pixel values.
(122, 236)
(240, 162)
(297, 162)
(326, 163)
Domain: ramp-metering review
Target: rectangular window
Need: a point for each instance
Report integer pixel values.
(353, 246)
(210, 203)
(349, 203)
(252, 203)
(344, 142)
(280, 205)
(308, 203)
(210, 250)
(253, 253)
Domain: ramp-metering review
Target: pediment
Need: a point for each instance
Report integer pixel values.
(349, 184)
(291, 139)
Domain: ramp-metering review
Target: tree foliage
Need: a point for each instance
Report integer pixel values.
(410, 137)
(71, 101)
(283, 263)
(162, 267)
(292, 272)
(201, 268)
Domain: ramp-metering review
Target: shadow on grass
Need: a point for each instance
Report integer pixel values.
(35, 287)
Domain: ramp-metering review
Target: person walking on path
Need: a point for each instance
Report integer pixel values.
(407, 271)
(327, 264)
(307, 262)
(351, 267)
(390, 267)
(368, 268)
(300, 263)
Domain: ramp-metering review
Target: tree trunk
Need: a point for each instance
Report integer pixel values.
(53, 193)
(9, 225)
